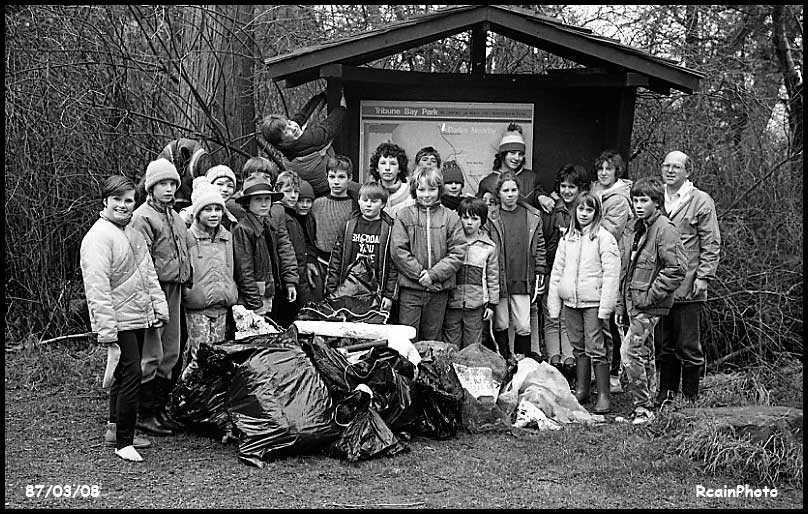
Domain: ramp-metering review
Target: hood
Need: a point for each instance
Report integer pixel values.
(621, 187)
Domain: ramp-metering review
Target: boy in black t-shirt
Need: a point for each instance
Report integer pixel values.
(367, 233)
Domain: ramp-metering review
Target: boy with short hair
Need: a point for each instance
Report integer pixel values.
(290, 184)
(329, 213)
(428, 156)
(428, 248)
(477, 292)
(165, 235)
(654, 265)
(367, 233)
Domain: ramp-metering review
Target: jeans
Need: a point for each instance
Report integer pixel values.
(556, 339)
(463, 327)
(123, 394)
(585, 331)
(679, 334)
(161, 346)
(424, 311)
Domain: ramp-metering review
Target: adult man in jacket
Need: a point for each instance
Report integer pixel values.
(693, 212)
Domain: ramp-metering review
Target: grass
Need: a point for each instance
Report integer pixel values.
(55, 412)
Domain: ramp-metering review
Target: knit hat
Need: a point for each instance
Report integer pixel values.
(306, 191)
(158, 170)
(204, 194)
(452, 173)
(220, 171)
(512, 141)
(257, 185)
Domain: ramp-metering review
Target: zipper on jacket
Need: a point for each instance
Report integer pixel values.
(428, 240)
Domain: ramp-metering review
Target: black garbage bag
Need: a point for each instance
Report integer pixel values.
(199, 400)
(280, 405)
(385, 371)
(367, 436)
(436, 411)
(355, 300)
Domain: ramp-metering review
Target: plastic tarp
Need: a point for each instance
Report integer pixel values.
(540, 396)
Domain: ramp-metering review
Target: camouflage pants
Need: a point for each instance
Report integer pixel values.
(637, 366)
(202, 328)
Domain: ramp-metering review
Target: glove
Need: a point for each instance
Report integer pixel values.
(113, 357)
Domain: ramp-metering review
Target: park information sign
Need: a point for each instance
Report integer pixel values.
(468, 133)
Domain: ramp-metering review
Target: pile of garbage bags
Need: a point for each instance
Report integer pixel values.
(288, 393)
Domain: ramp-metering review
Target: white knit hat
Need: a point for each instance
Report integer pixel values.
(204, 194)
(158, 170)
(512, 141)
(220, 171)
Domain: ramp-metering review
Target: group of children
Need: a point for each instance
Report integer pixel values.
(449, 265)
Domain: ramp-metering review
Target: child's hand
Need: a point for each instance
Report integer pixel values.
(342, 100)
(620, 319)
(488, 314)
(311, 272)
(291, 293)
(387, 304)
(546, 203)
(425, 280)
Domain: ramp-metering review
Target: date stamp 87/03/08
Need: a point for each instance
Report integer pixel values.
(62, 491)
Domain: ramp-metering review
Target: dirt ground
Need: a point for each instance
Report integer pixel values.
(53, 435)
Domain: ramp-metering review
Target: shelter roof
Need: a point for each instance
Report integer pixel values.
(571, 42)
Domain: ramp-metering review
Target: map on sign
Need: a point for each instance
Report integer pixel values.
(468, 133)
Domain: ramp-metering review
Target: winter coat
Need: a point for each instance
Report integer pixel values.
(386, 272)
(478, 278)
(304, 253)
(165, 235)
(428, 238)
(536, 258)
(214, 288)
(263, 253)
(649, 279)
(120, 283)
(698, 226)
(616, 205)
(586, 273)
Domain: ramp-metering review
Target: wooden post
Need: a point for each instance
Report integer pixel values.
(479, 36)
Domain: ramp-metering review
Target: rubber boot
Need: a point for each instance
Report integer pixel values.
(569, 372)
(555, 361)
(602, 380)
(690, 382)
(521, 344)
(150, 404)
(501, 338)
(669, 375)
(583, 371)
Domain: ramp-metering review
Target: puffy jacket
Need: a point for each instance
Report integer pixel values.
(120, 283)
(165, 235)
(616, 204)
(478, 278)
(586, 273)
(649, 279)
(698, 226)
(263, 253)
(338, 264)
(536, 259)
(428, 238)
(214, 287)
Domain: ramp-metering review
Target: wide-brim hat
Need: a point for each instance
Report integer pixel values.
(255, 185)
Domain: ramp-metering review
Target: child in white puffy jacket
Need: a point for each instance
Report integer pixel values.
(586, 279)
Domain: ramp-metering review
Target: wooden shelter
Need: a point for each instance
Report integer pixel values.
(578, 112)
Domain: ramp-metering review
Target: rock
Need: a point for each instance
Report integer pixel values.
(759, 421)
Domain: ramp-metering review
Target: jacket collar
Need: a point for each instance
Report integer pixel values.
(254, 222)
(200, 233)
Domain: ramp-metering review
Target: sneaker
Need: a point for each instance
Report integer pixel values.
(614, 384)
(111, 440)
(641, 415)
